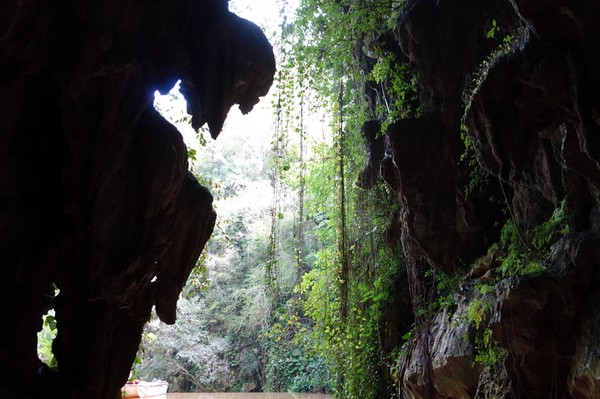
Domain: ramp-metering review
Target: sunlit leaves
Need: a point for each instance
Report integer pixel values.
(327, 36)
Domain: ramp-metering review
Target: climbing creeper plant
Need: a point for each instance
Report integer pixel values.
(347, 289)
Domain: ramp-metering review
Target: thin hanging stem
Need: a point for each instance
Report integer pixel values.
(301, 184)
(273, 250)
(342, 233)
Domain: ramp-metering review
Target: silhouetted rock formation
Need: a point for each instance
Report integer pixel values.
(95, 193)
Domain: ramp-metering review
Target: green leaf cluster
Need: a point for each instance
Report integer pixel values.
(525, 252)
(352, 344)
(45, 338)
(487, 353)
(293, 365)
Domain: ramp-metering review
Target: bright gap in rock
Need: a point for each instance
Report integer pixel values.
(46, 336)
(225, 308)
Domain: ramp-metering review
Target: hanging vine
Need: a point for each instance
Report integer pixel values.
(301, 188)
(278, 155)
(273, 249)
(347, 281)
(342, 233)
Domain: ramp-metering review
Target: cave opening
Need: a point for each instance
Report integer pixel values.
(427, 225)
(253, 261)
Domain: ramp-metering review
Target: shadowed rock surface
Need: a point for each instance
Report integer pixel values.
(95, 193)
(527, 97)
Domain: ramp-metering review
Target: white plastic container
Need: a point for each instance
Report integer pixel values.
(145, 389)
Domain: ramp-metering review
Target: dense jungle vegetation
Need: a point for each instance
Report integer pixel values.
(293, 292)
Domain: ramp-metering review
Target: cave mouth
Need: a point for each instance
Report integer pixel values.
(230, 274)
(228, 302)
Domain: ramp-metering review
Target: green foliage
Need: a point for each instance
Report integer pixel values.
(510, 41)
(352, 344)
(477, 312)
(299, 338)
(45, 338)
(185, 354)
(292, 369)
(346, 292)
(548, 232)
(400, 86)
(332, 38)
(225, 308)
(491, 33)
(525, 252)
(47, 334)
(488, 353)
(445, 287)
(293, 365)
(495, 31)
(479, 179)
(518, 259)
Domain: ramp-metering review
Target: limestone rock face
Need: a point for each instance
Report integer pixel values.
(542, 330)
(540, 320)
(447, 345)
(584, 379)
(522, 78)
(444, 42)
(95, 194)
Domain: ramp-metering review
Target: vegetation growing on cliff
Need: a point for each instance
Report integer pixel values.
(347, 291)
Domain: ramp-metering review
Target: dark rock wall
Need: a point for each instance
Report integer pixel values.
(95, 193)
(444, 42)
(527, 98)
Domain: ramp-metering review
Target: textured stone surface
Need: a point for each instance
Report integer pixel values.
(528, 97)
(454, 372)
(95, 196)
(444, 42)
(539, 319)
(584, 380)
